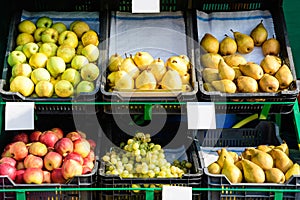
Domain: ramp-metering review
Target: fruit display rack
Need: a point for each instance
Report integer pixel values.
(98, 185)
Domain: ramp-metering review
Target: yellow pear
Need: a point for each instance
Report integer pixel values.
(261, 158)
(123, 81)
(225, 71)
(252, 69)
(114, 62)
(247, 84)
(111, 78)
(158, 69)
(252, 172)
(259, 34)
(271, 47)
(283, 147)
(235, 60)
(247, 154)
(171, 80)
(145, 81)
(214, 168)
(210, 60)
(176, 63)
(208, 87)
(281, 160)
(245, 43)
(265, 148)
(209, 43)
(228, 46)
(142, 59)
(186, 60)
(294, 170)
(284, 76)
(270, 64)
(274, 175)
(268, 83)
(185, 78)
(237, 72)
(129, 66)
(222, 155)
(210, 74)
(232, 172)
(224, 85)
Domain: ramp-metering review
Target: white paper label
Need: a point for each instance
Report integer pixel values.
(145, 6)
(176, 193)
(19, 116)
(201, 115)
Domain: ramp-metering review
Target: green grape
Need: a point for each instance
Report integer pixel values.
(114, 172)
(135, 186)
(135, 146)
(151, 173)
(129, 167)
(124, 160)
(188, 165)
(106, 158)
(111, 167)
(157, 147)
(113, 160)
(162, 174)
(124, 174)
(130, 141)
(122, 144)
(143, 152)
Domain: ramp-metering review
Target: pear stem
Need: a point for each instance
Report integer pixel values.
(126, 55)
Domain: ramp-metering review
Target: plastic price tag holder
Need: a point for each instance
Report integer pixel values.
(19, 116)
(176, 193)
(145, 6)
(201, 115)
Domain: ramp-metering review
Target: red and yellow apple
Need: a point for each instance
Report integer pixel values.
(52, 160)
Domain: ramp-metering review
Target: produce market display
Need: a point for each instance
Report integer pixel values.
(227, 70)
(47, 156)
(53, 60)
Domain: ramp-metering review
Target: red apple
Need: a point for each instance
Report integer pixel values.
(59, 132)
(64, 146)
(38, 149)
(82, 146)
(20, 165)
(49, 138)
(71, 168)
(34, 136)
(91, 156)
(23, 137)
(8, 160)
(52, 160)
(74, 135)
(57, 177)
(46, 176)
(92, 143)
(32, 161)
(88, 163)
(86, 170)
(74, 156)
(16, 150)
(7, 169)
(33, 175)
(19, 176)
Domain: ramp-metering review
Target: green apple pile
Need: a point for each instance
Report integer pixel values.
(47, 157)
(145, 73)
(53, 60)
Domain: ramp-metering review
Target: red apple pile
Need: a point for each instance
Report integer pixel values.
(47, 157)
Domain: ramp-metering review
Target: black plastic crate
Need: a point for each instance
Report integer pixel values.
(157, 95)
(289, 95)
(191, 179)
(265, 132)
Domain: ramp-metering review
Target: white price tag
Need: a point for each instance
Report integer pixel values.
(201, 115)
(145, 6)
(176, 193)
(19, 116)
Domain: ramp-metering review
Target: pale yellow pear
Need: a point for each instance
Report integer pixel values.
(176, 63)
(232, 172)
(158, 69)
(145, 81)
(224, 85)
(210, 74)
(274, 175)
(281, 160)
(210, 60)
(252, 69)
(270, 64)
(123, 81)
(225, 71)
(235, 60)
(293, 171)
(130, 67)
(252, 172)
(142, 59)
(261, 158)
(214, 168)
(222, 155)
(247, 84)
(114, 62)
(171, 80)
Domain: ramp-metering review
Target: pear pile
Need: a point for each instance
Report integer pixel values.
(227, 70)
(261, 164)
(145, 73)
(52, 59)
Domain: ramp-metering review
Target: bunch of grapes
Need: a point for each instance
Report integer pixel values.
(140, 158)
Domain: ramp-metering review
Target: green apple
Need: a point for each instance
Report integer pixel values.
(56, 65)
(91, 51)
(44, 89)
(71, 75)
(85, 86)
(59, 26)
(26, 26)
(49, 35)
(49, 49)
(44, 21)
(66, 52)
(79, 61)
(69, 38)
(40, 74)
(21, 69)
(23, 38)
(23, 85)
(37, 35)
(30, 48)
(19, 48)
(64, 88)
(89, 72)
(38, 60)
(16, 57)
(80, 28)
